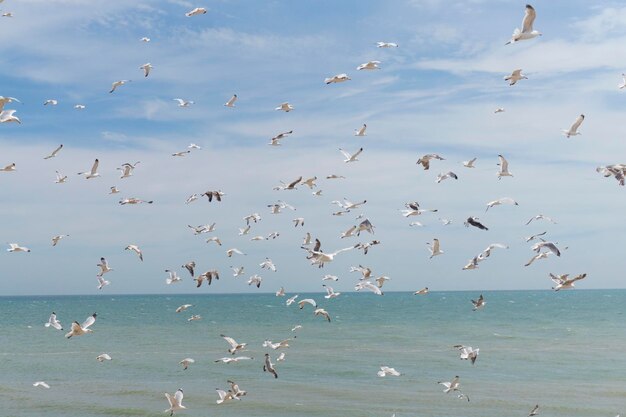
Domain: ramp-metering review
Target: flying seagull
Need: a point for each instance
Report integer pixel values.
(563, 282)
(527, 31)
(147, 67)
(500, 201)
(54, 152)
(434, 248)
(479, 303)
(473, 221)
(175, 402)
(231, 101)
(53, 322)
(504, 167)
(573, 130)
(515, 77)
(195, 12)
(118, 84)
(81, 329)
(425, 160)
(93, 173)
(339, 78)
(351, 157)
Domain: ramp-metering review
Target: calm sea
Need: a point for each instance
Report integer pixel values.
(563, 351)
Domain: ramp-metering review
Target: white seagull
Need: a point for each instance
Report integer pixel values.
(60, 178)
(386, 45)
(231, 101)
(175, 402)
(118, 84)
(339, 78)
(196, 11)
(500, 201)
(6, 116)
(135, 249)
(186, 362)
(147, 67)
(286, 107)
(53, 322)
(56, 239)
(434, 248)
(351, 157)
(573, 130)
(369, 65)
(41, 384)
(361, 131)
(104, 357)
(183, 103)
(104, 267)
(14, 247)
(93, 173)
(385, 370)
(54, 152)
(515, 77)
(102, 282)
(81, 329)
(527, 31)
(504, 167)
(470, 163)
(172, 278)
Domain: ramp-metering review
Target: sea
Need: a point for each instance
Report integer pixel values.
(564, 351)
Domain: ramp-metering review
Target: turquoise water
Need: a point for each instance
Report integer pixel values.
(561, 350)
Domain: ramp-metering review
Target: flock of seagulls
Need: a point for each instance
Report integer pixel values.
(312, 246)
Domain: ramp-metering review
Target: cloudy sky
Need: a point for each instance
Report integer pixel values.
(435, 93)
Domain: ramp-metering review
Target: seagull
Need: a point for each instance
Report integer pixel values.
(135, 249)
(480, 303)
(268, 366)
(291, 300)
(298, 221)
(234, 359)
(41, 384)
(366, 285)
(339, 78)
(183, 103)
(232, 251)
(322, 312)
(385, 370)
(213, 194)
(183, 307)
(195, 317)
(540, 217)
(173, 277)
(203, 228)
(186, 362)
(366, 246)
(296, 327)
(237, 271)
(310, 182)
(53, 322)
(279, 345)
(231, 101)
(193, 146)
(515, 77)
(127, 169)
(6, 116)
(117, 84)
(54, 152)
(268, 264)
(330, 292)
(351, 157)
(208, 275)
(14, 247)
(470, 163)
(369, 65)
(361, 131)
(9, 168)
(533, 237)
(60, 178)
(452, 385)
(104, 357)
(365, 225)
(534, 411)
(79, 107)
(189, 266)
(527, 31)
(175, 402)
(366, 272)
(81, 329)
(425, 160)
(235, 390)
(499, 110)
(447, 175)
(335, 177)
(286, 107)
(563, 283)
(289, 186)
(104, 267)
(234, 346)
(423, 291)
(320, 258)
(216, 240)
(310, 301)
(93, 173)
(573, 130)
(540, 255)
(386, 45)
(275, 141)
(102, 282)
(145, 39)
(255, 280)
(55, 239)
(434, 248)
(114, 190)
(467, 352)
(381, 280)
(623, 84)
(146, 69)
(224, 396)
(504, 167)
(196, 11)
(548, 245)
(134, 200)
(500, 201)
(280, 292)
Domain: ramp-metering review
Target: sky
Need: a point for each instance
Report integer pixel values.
(435, 93)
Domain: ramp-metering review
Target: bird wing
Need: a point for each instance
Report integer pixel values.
(504, 164)
(90, 320)
(357, 153)
(94, 168)
(577, 123)
(233, 344)
(529, 18)
(346, 154)
(293, 184)
(307, 301)
(578, 277)
(179, 397)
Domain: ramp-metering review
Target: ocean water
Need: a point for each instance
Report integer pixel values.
(563, 351)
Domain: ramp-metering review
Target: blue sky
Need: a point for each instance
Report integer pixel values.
(436, 93)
